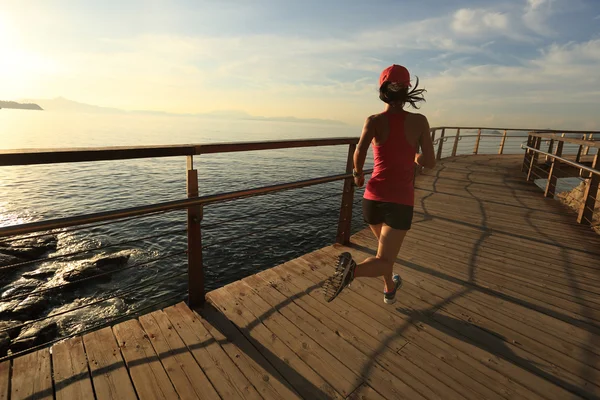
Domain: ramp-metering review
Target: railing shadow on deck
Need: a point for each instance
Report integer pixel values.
(491, 341)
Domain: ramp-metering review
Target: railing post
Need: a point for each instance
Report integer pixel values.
(587, 148)
(441, 144)
(476, 149)
(501, 150)
(552, 178)
(526, 156)
(586, 212)
(550, 149)
(345, 221)
(433, 136)
(537, 141)
(579, 152)
(456, 142)
(194, 217)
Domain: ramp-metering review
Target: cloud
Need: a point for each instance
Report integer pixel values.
(469, 21)
(536, 14)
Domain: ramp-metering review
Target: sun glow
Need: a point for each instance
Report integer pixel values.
(20, 68)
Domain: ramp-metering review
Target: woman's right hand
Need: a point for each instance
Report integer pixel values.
(359, 181)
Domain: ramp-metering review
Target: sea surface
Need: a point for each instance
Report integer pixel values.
(240, 237)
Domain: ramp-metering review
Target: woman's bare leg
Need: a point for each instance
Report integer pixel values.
(390, 242)
(376, 229)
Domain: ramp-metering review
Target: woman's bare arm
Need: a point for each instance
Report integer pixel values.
(427, 157)
(360, 154)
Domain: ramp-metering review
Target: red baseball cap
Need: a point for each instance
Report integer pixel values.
(395, 73)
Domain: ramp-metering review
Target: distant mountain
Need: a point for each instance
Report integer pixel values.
(66, 105)
(19, 106)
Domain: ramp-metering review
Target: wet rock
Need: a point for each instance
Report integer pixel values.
(31, 307)
(7, 307)
(11, 328)
(40, 273)
(29, 249)
(35, 334)
(96, 267)
(20, 286)
(7, 259)
(4, 343)
(23, 309)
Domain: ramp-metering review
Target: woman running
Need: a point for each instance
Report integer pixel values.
(388, 201)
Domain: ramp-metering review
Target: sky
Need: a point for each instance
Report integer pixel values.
(505, 63)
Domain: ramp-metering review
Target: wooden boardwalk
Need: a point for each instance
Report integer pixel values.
(501, 300)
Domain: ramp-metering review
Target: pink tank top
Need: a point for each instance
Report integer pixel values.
(393, 171)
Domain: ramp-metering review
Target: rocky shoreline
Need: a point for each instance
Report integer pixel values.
(33, 288)
(574, 199)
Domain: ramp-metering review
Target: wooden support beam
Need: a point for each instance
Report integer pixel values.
(534, 157)
(345, 220)
(476, 149)
(441, 144)
(552, 177)
(586, 212)
(456, 139)
(527, 155)
(196, 288)
(550, 149)
(501, 150)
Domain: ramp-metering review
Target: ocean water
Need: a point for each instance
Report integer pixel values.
(240, 237)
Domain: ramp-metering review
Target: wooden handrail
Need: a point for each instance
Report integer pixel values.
(558, 138)
(84, 154)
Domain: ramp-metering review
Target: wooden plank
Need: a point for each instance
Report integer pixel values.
(531, 357)
(402, 368)
(365, 392)
(4, 379)
(72, 378)
(463, 359)
(375, 374)
(109, 375)
(32, 376)
(369, 290)
(187, 377)
(265, 377)
(226, 378)
(301, 376)
(147, 373)
(342, 379)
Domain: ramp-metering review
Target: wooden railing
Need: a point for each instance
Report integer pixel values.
(505, 136)
(555, 165)
(194, 203)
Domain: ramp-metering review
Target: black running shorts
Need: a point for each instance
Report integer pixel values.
(394, 215)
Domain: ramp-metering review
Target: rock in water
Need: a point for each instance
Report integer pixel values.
(111, 261)
(21, 286)
(4, 343)
(96, 267)
(40, 273)
(28, 308)
(12, 328)
(29, 249)
(31, 307)
(35, 334)
(7, 259)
